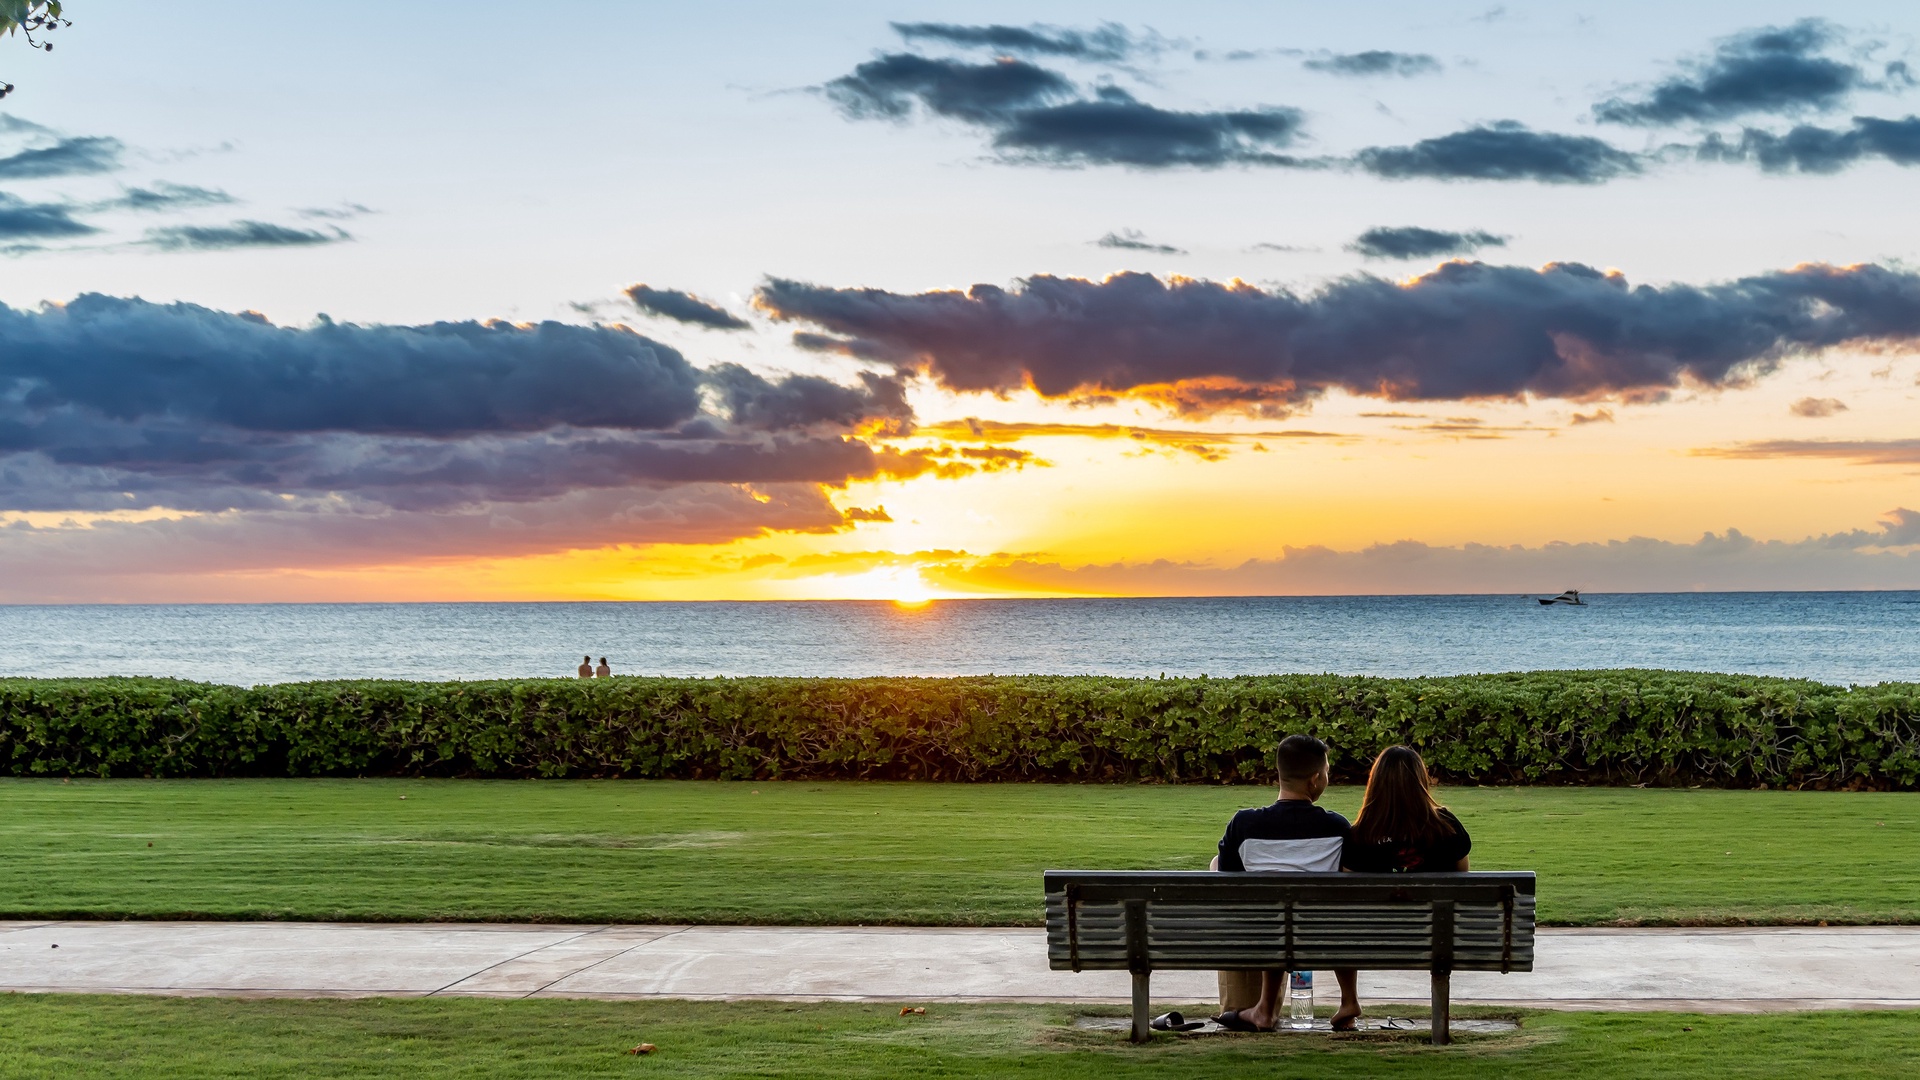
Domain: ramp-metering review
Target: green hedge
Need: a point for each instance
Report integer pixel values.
(1584, 727)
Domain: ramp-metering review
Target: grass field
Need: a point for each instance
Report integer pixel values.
(149, 1038)
(844, 853)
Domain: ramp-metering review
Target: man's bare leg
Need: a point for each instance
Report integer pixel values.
(1263, 1014)
(1349, 999)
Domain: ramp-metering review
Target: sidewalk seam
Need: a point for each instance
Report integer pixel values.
(511, 959)
(606, 959)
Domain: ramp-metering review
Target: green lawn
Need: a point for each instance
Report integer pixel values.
(690, 851)
(192, 1039)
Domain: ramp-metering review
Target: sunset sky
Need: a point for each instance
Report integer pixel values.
(438, 301)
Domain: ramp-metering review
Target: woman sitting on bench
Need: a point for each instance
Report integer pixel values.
(1400, 828)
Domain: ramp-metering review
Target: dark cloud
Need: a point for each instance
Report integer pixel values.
(132, 360)
(1463, 331)
(1134, 240)
(338, 444)
(1116, 129)
(684, 307)
(1413, 242)
(1110, 41)
(97, 466)
(1773, 71)
(68, 157)
(1812, 149)
(238, 234)
(21, 220)
(1502, 151)
(1375, 62)
(1039, 116)
(806, 401)
(163, 196)
(988, 94)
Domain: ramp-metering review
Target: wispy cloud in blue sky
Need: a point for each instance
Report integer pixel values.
(1375, 62)
(81, 156)
(20, 220)
(1107, 42)
(1414, 242)
(684, 307)
(240, 234)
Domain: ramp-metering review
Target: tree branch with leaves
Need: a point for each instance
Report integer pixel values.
(27, 18)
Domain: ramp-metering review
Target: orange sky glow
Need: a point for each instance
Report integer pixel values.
(1122, 499)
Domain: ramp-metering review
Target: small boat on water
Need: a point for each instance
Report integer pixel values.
(1571, 596)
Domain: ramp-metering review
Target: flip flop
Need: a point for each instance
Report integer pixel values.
(1232, 1022)
(1174, 1021)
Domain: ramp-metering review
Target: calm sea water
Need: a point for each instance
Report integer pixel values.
(1837, 637)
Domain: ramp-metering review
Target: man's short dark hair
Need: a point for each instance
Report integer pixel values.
(1301, 757)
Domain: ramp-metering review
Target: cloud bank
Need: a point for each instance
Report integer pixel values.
(1880, 558)
(1899, 452)
(396, 442)
(1466, 330)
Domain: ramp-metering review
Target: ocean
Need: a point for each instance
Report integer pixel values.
(1862, 637)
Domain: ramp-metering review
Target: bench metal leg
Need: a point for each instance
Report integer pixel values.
(1140, 1010)
(1442, 1009)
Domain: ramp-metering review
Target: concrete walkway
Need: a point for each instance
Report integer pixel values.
(1709, 970)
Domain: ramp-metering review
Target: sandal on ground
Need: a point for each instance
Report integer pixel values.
(1175, 1021)
(1232, 1021)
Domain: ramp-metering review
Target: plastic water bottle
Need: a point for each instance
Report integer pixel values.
(1300, 1000)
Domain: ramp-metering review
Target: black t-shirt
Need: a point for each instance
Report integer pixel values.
(1292, 834)
(1396, 857)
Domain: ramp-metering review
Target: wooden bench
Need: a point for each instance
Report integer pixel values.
(1147, 921)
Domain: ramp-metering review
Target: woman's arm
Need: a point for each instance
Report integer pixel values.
(1462, 867)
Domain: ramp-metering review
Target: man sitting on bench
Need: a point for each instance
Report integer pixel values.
(1291, 835)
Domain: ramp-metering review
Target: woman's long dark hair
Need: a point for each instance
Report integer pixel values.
(1399, 802)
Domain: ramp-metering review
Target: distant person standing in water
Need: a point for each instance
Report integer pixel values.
(586, 667)
(603, 671)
